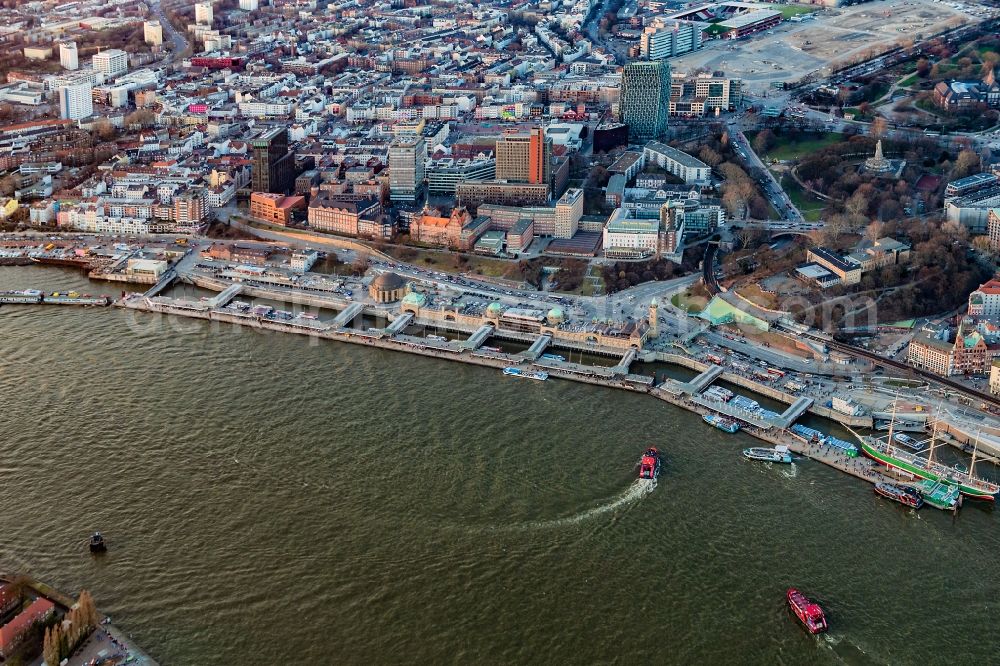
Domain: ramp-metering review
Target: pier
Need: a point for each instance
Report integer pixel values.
(734, 412)
(35, 297)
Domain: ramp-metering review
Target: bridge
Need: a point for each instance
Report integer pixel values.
(623, 365)
(481, 335)
(537, 347)
(348, 315)
(221, 299)
(703, 381)
(165, 281)
(794, 411)
(399, 323)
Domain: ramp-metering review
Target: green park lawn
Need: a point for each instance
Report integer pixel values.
(810, 207)
(786, 148)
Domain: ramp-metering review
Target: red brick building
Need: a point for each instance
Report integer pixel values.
(12, 633)
(275, 208)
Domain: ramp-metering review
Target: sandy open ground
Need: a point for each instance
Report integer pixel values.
(793, 50)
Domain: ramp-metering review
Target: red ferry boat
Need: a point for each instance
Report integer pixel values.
(809, 613)
(649, 464)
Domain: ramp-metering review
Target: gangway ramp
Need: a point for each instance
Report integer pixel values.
(794, 411)
(623, 365)
(481, 335)
(538, 346)
(222, 298)
(165, 281)
(704, 380)
(348, 315)
(399, 323)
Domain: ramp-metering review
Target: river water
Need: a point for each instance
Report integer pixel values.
(273, 499)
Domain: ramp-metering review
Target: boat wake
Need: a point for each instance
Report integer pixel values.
(635, 492)
(792, 472)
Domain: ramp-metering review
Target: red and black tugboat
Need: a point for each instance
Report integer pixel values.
(649, 464)
(97, 544)
(808, 612)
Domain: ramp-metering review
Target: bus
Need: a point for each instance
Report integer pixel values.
(775, 372)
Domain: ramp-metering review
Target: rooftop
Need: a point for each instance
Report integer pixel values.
(678, 156)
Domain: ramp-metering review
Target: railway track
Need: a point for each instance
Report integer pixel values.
(909, 369)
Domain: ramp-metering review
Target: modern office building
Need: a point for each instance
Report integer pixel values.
(68, 56)
(569, 210)
(273, 162)
(111, 63)
(76, 100)
(249, 5)
(644, 104)
(524, 158)
(406, 168)
(152, 33)
(444, 174)
(473, 193)
(203, 13)
(695, 96)
(661, 40)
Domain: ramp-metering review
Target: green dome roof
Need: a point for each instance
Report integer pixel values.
(494, 308)
(555, 314)
(415, 298)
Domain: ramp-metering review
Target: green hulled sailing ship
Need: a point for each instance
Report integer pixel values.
(926, 468)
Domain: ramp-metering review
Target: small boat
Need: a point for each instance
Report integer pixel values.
(491, 349)
(907, 441)
(437, 338)
(649, 464)
(721, 422)
(526, 374)
(97, 544)
(554, 357)
(778, 454)
(808, 612)
(905, 495)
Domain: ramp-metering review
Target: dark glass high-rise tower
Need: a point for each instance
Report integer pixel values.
(644, 104)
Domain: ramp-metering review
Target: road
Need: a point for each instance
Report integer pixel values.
(180, 42)
(772, 189)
